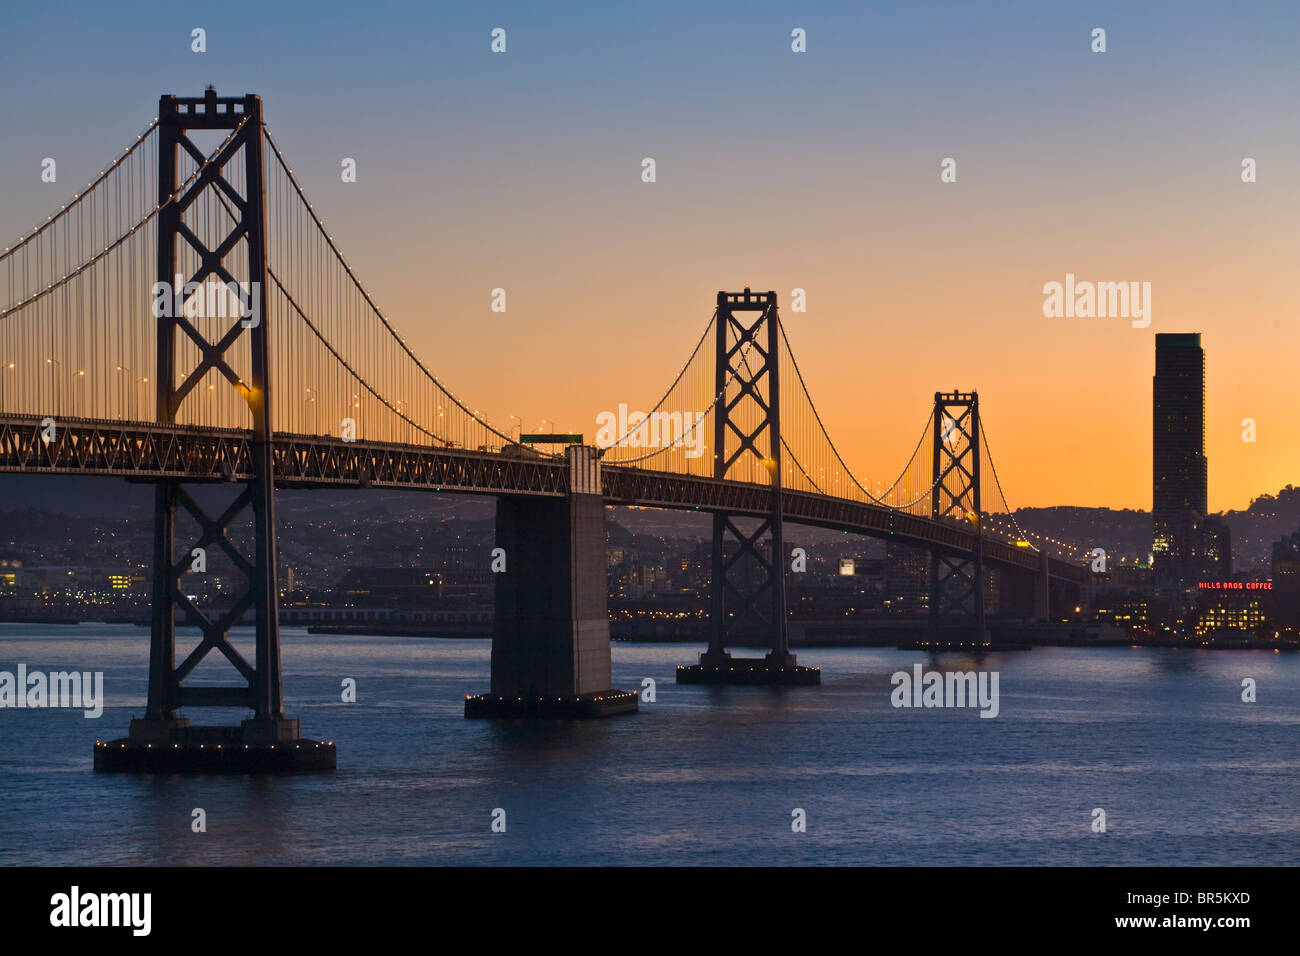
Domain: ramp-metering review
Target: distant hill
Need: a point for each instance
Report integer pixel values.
(1124, 534)
(1127, 533)
(1267, 519)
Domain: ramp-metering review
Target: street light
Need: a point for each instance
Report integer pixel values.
(54, 388)
(123, 368)
(129, 402)
(4, 377)
(81, 377)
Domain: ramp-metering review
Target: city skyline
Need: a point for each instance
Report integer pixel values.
(901, 302)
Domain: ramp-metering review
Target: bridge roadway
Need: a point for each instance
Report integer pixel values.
(143, 450)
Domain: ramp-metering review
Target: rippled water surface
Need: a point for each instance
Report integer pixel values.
(1160, 739)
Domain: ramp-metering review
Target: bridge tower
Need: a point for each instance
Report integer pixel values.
(162, 740)
(747, 429)
(957, 581)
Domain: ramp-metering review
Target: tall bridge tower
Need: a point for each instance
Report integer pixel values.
(747, 592)
(198, 245)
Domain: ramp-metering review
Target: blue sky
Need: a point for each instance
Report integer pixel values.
(817, 170)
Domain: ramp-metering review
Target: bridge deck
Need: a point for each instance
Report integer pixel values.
(144, 451)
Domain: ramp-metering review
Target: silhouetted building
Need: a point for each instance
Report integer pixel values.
(389, 587)
(906, 580)
(1285, 605)
(1122, 596)
(1179, 501)
(1216, 550)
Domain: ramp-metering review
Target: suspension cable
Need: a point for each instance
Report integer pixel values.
(129, 233)
(998, 481)
(344, 362)
(812, 405)
(366, 295)
(698, 421)
(78, 197)
(632, 431)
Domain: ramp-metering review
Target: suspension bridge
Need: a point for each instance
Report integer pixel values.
(188, 320)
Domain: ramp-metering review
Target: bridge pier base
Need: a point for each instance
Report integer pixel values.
(955, 637)
(173, 745)
(721, 668)
(550, 648)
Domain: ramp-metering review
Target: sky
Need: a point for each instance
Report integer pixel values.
(777, 170)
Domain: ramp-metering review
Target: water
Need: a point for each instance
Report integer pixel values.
(1160, 739)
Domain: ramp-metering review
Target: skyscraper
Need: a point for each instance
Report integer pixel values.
(1179, 468)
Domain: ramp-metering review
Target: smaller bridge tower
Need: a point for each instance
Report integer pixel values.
(747, 593)
(957, 581)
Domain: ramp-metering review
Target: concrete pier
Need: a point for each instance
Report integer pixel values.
(1043, 590)
(550, 646)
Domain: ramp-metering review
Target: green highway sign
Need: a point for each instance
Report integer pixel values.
(550, 439)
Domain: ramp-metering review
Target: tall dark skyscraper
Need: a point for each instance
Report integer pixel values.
(1179, 501)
